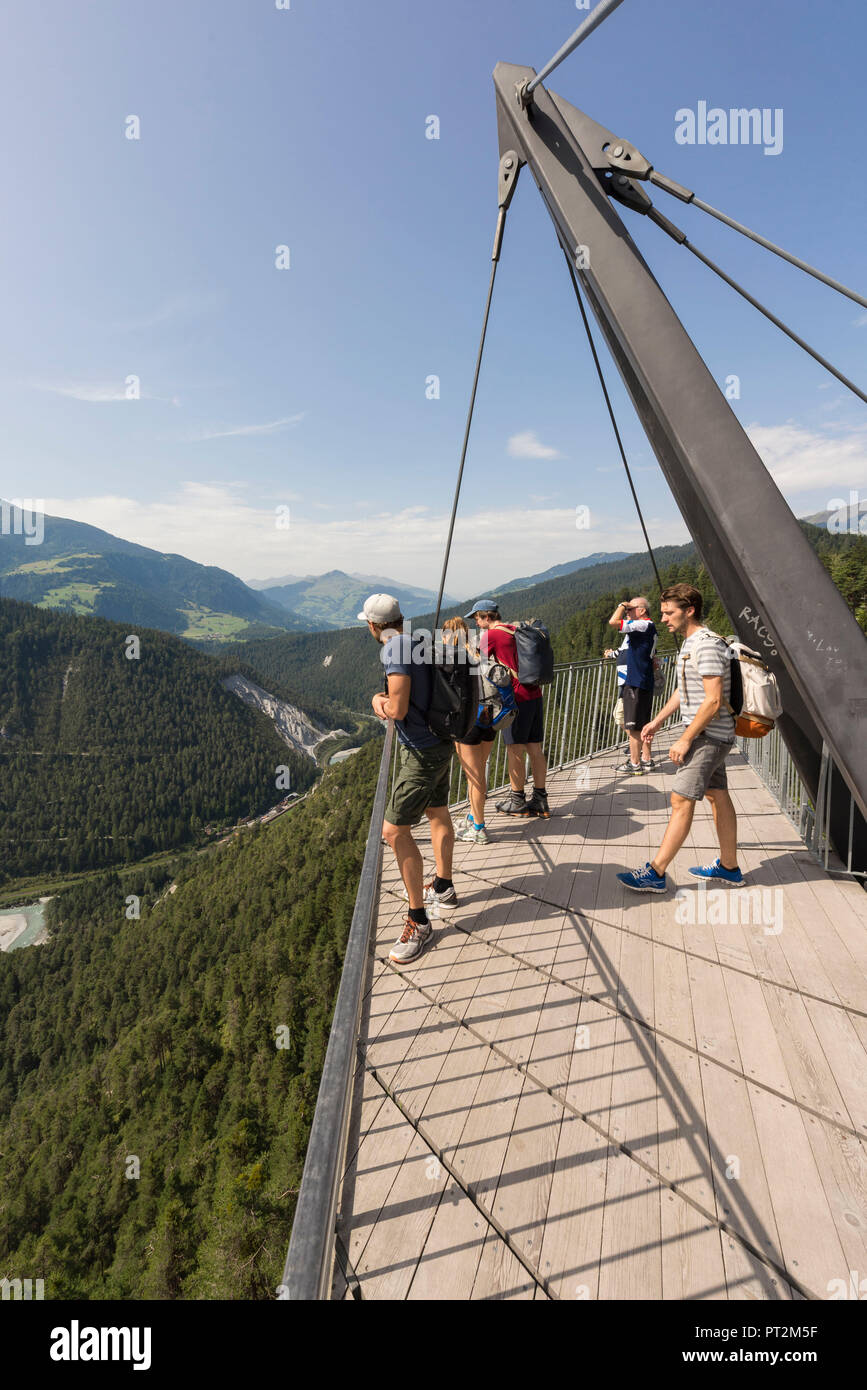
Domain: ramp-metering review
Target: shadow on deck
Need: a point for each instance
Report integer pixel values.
(581, 1092)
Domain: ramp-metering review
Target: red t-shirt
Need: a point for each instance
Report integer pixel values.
(499, 645)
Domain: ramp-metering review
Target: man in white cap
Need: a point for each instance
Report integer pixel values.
(421, 782)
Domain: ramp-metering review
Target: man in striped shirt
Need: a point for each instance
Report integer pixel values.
(702, 696)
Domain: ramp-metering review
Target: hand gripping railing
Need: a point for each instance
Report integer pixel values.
(309, 1262)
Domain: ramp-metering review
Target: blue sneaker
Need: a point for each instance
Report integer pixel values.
(645, 880)
(716, 870)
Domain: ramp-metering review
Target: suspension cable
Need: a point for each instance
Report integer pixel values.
(686, 196)
(680, 237)
(601, 376)
(593, 20)
(498, 241)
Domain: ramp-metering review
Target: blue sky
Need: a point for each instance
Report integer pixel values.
(305, 387)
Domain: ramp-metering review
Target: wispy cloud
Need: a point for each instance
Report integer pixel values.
(527, 445)
(802, 460)
(861, 321)
(272, 427)
(99, 393)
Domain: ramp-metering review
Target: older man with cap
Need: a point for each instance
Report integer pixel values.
(524, 737)
(421, 782)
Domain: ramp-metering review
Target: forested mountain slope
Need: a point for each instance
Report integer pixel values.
(158, 1076)
(82, 569)
(104, 759)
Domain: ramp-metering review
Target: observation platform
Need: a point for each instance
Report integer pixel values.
(583, 1092)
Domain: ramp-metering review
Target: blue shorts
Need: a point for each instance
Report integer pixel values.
(528, 726)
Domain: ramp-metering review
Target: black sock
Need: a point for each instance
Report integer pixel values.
(441, 884)
(541, 790)
(419, 916)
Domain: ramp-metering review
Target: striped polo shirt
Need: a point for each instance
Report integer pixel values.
(705, 654)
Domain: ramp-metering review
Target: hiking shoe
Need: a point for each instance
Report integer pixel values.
(447, 899)
(538, 805)
(716, 870)
(411, 942)
(514, 808)
(645, 880)
(637, 770)
(474, 834)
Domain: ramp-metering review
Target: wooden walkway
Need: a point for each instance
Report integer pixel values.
(582, 1092)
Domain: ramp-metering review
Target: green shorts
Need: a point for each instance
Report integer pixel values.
(421, 780)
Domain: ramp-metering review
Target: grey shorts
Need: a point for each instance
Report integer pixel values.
(703, 769)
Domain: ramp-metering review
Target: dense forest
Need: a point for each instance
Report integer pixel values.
(158, 1076)
(105, 759)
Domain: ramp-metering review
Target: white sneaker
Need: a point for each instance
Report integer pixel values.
(411, 942)
(468, 830)
(447, 900)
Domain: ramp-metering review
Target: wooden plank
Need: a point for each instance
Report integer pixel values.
(447, 1265)
(841, 1165)
(758, 1028)
(572, 1237)
(500, 1275)
(630, 1261)
(813, 1080)
(743, 1197)
(808, 1235)
(386, 1140)
(388, 1261)
(748, 1279)
(844, 1047)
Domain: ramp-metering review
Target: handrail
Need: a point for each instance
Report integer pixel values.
(309, 1263)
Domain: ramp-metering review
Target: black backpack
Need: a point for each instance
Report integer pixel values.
(455, 695)
(535, 653)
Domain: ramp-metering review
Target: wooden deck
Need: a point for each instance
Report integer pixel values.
(582, 1092)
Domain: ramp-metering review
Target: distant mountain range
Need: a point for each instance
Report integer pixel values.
(81, 569)
(334, 600)
(849, 518)
(558, 571)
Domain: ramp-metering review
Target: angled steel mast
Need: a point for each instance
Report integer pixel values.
(780, 597)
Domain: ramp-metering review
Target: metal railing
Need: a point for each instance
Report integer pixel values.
(309, 1263)
(771, 760)
(579, 724)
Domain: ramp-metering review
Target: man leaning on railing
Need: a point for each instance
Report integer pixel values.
(421, 783)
